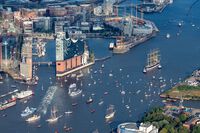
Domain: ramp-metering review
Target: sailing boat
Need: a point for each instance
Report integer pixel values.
(54, 118)
(153, 61)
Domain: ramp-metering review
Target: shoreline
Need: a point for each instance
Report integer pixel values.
(188, 89)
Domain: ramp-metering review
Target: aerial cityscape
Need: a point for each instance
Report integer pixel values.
(99, 66)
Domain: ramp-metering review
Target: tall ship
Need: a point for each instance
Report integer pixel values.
(24, 94)
(153, 61)
(7, 103)
(110, 113)
(121, 45)
(54, 118)
(73, 91)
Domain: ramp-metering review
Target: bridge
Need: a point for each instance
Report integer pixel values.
(49, 63)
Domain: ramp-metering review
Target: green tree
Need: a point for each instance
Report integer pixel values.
(183, 117)
(163, 130)
(196, 129)
(183, 129)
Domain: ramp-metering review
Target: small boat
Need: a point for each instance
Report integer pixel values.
(54, 118)
(101, 102)
(123, 92)
(67, 129)
(89, 101)
(106, 93)
(110, 112)
(28, 111)
(179, 24)
(111, 45)
(34, 118)
(92, 110)
(68, 112)
(74, 104)
(73, 91)
(168, 35)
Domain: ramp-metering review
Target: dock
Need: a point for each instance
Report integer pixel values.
(9, 93)
(74, 70)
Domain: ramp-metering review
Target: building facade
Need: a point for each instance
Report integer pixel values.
(70, 54)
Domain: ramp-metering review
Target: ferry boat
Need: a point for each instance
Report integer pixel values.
(153, 61)
(110, 112)
(73, 91)
(8, 103)
(34, 118)
(28, 111)
(24, 94)
(54, 117)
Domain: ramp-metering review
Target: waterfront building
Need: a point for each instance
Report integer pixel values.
(59, 26)
(108, 7)
(42, 24)
(26, 63)
(0, 55)
(131, 127)
(71, 54)
(98, 11)
(28, 27)
(56, 11)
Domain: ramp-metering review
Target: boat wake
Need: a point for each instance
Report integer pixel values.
(46, 101)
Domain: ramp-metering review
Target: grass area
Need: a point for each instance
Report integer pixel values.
(187, 92)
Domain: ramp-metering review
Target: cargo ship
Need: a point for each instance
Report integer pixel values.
(153, 61)
(8, 103)
(24, 94)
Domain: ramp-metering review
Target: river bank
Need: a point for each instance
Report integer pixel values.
(189, 89)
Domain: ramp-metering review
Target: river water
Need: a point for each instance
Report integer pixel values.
(179, 57)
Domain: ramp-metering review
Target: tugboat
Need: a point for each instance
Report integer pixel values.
(153, 61)
(110, 113)
(73, 91)
(28, 111)
(34, 118)
(54, 118)
(89, 101)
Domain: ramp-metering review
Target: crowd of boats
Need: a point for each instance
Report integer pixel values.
(7, 103)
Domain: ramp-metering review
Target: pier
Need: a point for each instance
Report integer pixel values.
(49, 63)
(9, 93)
(104, 58)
